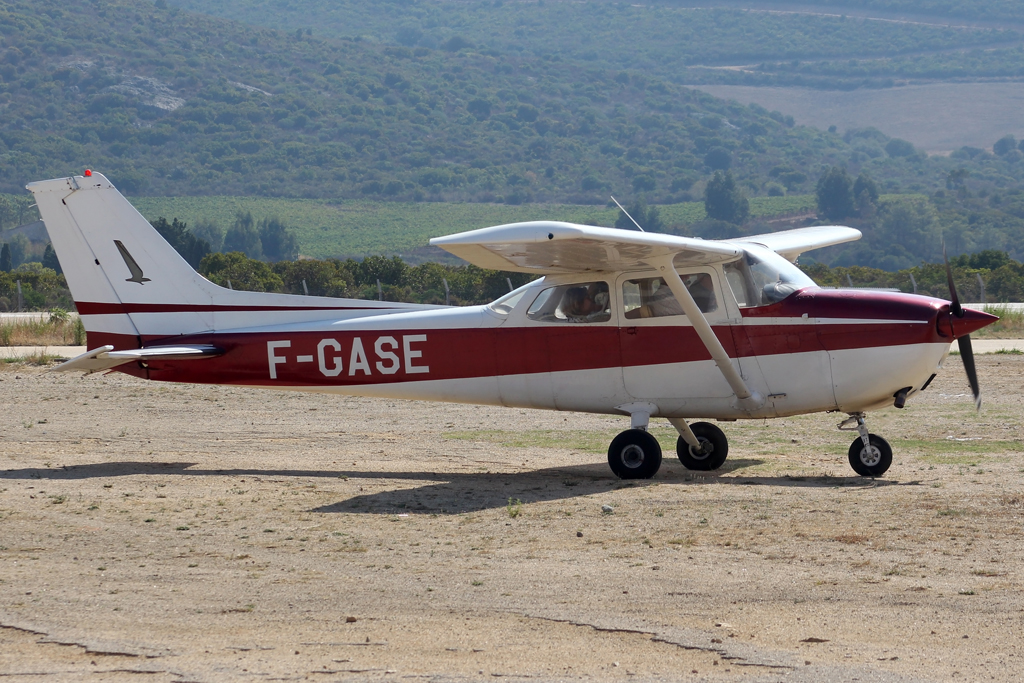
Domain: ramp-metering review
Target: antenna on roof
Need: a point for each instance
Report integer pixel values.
(627, 214)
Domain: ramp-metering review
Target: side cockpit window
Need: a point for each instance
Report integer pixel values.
(585, 302)
(651, 297)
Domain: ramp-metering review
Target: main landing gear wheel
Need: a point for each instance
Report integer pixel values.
(714, 448)
(634, 454)
(872, 460)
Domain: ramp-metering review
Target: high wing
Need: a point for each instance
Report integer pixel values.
(555, 247)
(791, 243)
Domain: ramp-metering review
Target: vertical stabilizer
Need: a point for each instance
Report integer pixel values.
(117, 265)
(131, 286)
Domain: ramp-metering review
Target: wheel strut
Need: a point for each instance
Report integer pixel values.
(870, 454)
(861, 427)
(700, 447)
(687, 435)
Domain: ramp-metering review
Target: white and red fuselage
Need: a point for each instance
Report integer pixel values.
(816, 350)
(805, 349)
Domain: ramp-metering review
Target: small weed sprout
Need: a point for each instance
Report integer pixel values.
(514, 507)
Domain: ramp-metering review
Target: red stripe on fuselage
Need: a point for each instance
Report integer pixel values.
(462, 354)
(539, 348)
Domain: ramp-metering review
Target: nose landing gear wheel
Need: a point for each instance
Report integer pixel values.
(713, 452)
(872, 460)
(634, 454)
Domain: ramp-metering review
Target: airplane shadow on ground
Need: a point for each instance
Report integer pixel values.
(458, 492)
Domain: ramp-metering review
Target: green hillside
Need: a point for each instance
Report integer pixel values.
(682, 44)
(170, 103)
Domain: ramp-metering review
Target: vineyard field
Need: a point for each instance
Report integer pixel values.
(361, 227)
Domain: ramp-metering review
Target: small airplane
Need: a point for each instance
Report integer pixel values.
(619, 322)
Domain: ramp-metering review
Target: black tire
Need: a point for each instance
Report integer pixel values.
(693, 459)
(872, 461)
(634, 454)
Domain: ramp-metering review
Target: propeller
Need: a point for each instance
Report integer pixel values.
(966, 351)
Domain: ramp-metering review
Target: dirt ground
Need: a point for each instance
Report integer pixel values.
(186, 533)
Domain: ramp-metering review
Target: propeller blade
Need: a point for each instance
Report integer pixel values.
(954, 306)
(966, 350)
(967, 356)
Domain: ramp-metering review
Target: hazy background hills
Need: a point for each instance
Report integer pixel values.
(410, 102)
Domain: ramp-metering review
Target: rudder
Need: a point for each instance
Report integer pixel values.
(118, 266)
(131, 287)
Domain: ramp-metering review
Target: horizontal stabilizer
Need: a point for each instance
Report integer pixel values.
(104, 357)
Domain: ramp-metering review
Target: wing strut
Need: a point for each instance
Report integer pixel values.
(747, 399)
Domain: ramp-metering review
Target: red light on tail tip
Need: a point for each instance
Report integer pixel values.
(88, 173)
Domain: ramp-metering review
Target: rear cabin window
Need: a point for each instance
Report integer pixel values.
(586, 302)
(651, 297)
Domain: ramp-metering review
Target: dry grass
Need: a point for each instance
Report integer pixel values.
(58, 329)
(1009, 326)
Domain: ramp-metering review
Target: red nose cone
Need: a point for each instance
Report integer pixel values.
(973, 320)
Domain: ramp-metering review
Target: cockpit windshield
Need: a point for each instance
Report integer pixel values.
(505, 304)
(761, 277)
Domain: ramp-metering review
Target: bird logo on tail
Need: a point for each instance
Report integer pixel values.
(133, 267)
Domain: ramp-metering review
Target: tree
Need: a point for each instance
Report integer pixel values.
(20, 250)
(244, 237)
(990, 259)
(644, 183)
(409, 35)
(649, 218)
(907, 229)
(718, 159)
(279, 243)
(6, 211)
(455, 43)
(5, 258)
(209, 231)
(191, 248)
(724, 201)
(241, 272)
(1004, 145)
(50, 259)
(390, 271)
(865, 194)
(899, 148)
(322, 278)
(957, 178)
(835, 194)
(480, 108)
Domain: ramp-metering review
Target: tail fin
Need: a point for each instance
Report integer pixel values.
(131, 286)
